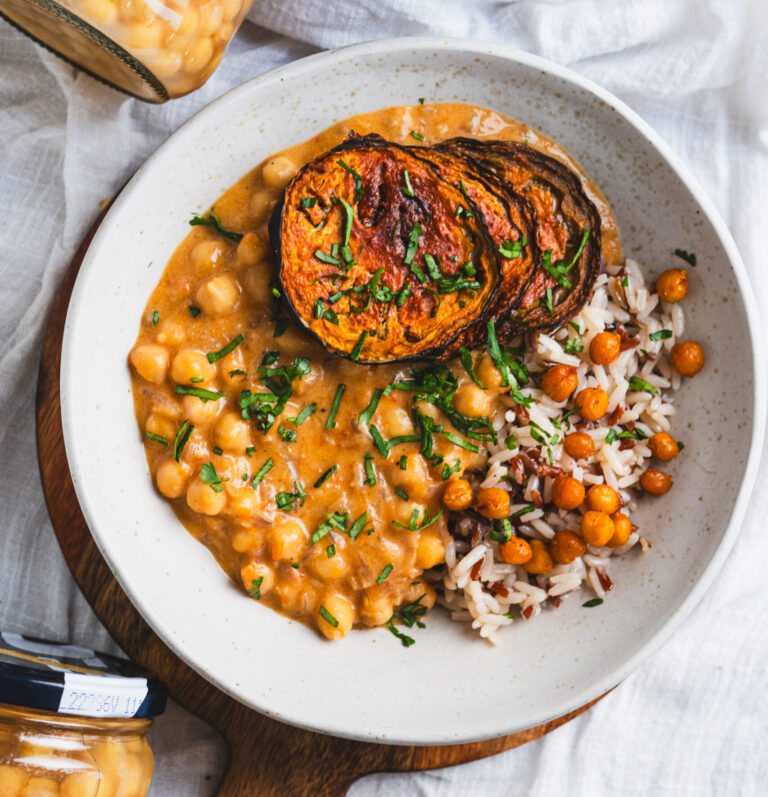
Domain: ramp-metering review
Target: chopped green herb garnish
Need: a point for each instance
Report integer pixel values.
(448, 471)
(358, 350)
(380, 442)
(280, 326)
(255, 590)
(594, 602)
(401, 493)
(157, 438)
(331, 316)
(210, 220)
(155, 318)
(370, 473)
(625, 282)
(305, 413)
(358, 182)
(323, 258)
(296, 565)
(194, 311)
(230, 347)
(638, 384)
(195, 379)
(217, 451)
(680, 445)
(661, 334)
(404, 638)
(548, 301)
(287, 435)
(250, 451)
(413, 524)
(285, 501)
(182, 438)
(432, 267)
(262, 472)
(328, 617)
(367, 413)
(512, 249)
(407, 188)
(308, 201)
(689, 257)
(331, 421)
(210, 477)
(611, 436)
(403, 462)
(384, 573)
(237, 372)
(421, 100)
(200, 392)
(416, 135)
(511, 442)
(330, 551)
(413, 245)
(325, 476)
(317, 311)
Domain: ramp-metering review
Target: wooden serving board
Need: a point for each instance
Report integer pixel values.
(267, 757)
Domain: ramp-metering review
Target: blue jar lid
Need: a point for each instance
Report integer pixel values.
(77, 681)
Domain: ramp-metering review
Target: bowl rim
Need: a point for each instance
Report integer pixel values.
(481, 48)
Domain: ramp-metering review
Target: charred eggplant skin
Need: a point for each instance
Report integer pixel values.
(566, 219)
(372, 258)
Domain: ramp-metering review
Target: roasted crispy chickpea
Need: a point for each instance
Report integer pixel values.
(687, 358)
(663, 446)
(559, 381)
(493, 503)
(672, 285)
(655, 482)
(540, 562)
(458, 495)
(592, 403)
(567, 546)
(603, 498)
(597, 528)
(605, 348)
(567, 492)
(622, 530)
(515, 551)
(579, 445)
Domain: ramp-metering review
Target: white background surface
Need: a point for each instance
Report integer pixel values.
(694, 719)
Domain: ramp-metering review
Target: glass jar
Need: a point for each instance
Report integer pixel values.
(151, 49)
(73, 723)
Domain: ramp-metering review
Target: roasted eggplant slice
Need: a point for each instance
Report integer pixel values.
(568, 231)
(373, 258)
(511, 223)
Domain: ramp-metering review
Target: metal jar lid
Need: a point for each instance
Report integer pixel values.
(77, 681)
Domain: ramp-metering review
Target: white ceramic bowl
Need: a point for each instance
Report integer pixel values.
(450, 686)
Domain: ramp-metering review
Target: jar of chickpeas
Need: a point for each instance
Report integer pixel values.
(153, 49)
(73, 722)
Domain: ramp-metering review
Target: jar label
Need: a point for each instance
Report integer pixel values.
(114, 697)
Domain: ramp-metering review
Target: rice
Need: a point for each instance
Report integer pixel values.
(477, 586)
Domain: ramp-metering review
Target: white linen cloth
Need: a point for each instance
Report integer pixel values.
(694, 719)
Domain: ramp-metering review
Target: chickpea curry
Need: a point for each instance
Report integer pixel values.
(322, 483)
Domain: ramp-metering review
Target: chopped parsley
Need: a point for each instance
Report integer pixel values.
(255, 590)
(594, 602)
(400, 492)
(155, 318)
(217, 451)
(308, 201)
(223, 352)
(410, 615)
(384, 573)
(358, 526)
(379, 441)
(287, 435)
(661, 334)
(286, 501)
(304, 414)
(182, 438)
(559, 270)
(194, 311)
(200, 392)
(413, 523)
(250, 451)
(262, 472)
(689, 257)
(367, 413)
(211, 220)
(448, 471)
(330, 551)
(331, 422)
(611, 436)
(157, 438)
(325, 476)
(210, 477)
(512, 249)
(370, 473)
(638, 384)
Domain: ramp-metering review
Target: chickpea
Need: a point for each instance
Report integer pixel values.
(596, 528)
(376, 606)
(579, 445)
(233, 432)
(254, 571)
(80, 784)
(493, 503)
(687, 358)
(430, 550)
(205, 256)
(211, 17)
(663, 446)
(260, 205)
(567, 546)
(540, 562)
(655, 482)
(189, 364)
(393, 421)
(622, 530)
(488, 373)
(472, 401)
(605, 348)
(198, 54)
(515, 551)
(170, 333)
(567, 492)
(246, 540)
(157, 424)
(171, 478)
(559, 381)
(277, 172)
(102, 11)
(150, 362)
(415, 479)
(12, 781)
(458, 495)
(327, 567)
(251, 250)
(337, 619)
(199, 411)
(202, 498)
(672, 285)
(592, 403)
(287, 539)
(40, 787)
(257, 284)
(603, 498)
(219, 295)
